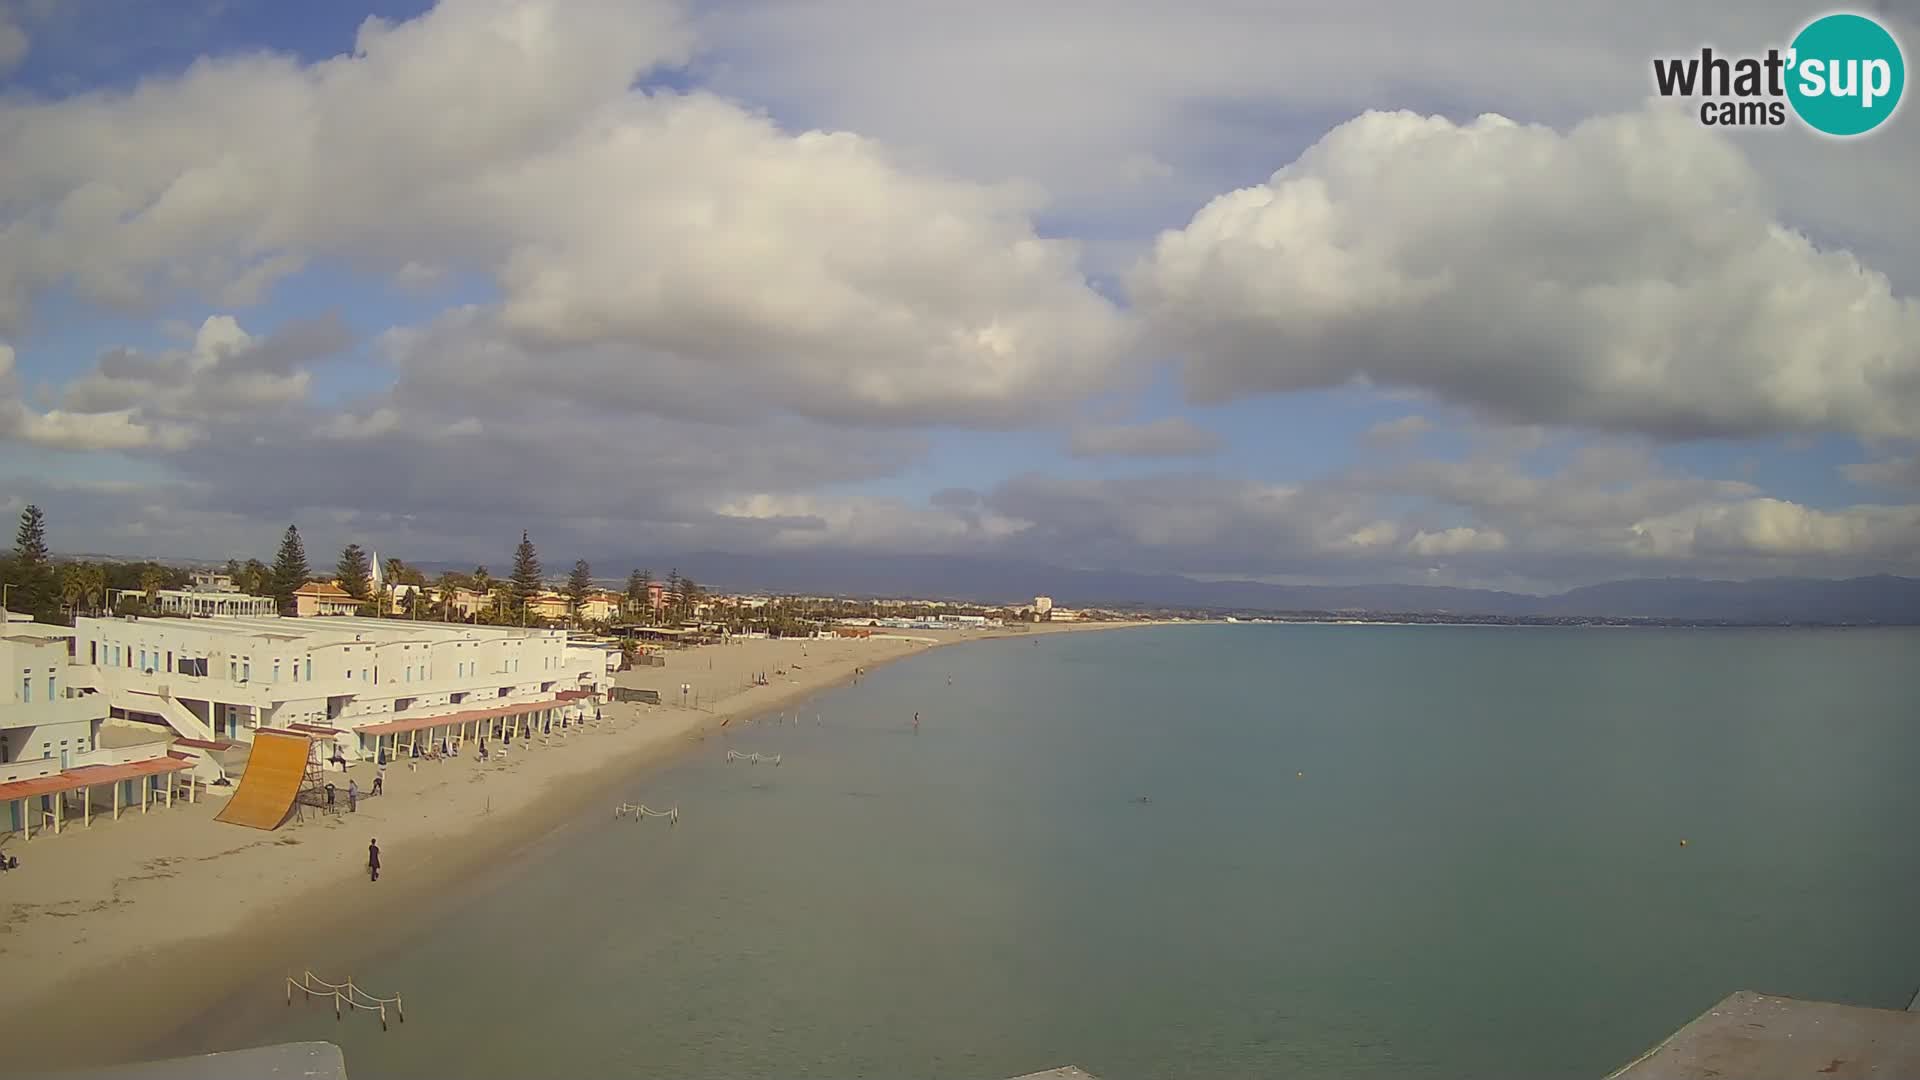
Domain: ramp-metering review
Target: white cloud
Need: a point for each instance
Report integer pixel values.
(634, 235)
(1402, 429)
(60, 430)
(1455, 541)
(810, 521)
(701, 309)
(1184, 83)
(1776, 528)
(1173, 436)
(347, 426)
(225, 379)
(1626, 275)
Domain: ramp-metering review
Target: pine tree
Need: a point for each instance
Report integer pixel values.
(289, 568)
(35, 590)
(526, 571)
(579, 584)
(355, 574)
(30, 542)
(689, 597)
(636, 592)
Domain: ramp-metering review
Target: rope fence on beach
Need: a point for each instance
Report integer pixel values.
(752, 759)
(347, 993)
(639, 811)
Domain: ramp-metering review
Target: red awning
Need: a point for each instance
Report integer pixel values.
(400, 727)
(90, 775)
(572, 695)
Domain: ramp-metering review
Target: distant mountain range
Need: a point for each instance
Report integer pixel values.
(1882, 599)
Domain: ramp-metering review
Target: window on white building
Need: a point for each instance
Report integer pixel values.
(246, 670)
(276, 669)
(233, 670)
(26, 690)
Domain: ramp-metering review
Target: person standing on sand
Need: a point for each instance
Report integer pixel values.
(373, 858)
(353, 796)
(916, 723)
(380, 780)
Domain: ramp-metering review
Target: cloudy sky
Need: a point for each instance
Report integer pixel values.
(1381, 291)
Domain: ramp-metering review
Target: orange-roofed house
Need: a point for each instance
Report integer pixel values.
(323, 598)
(601, 606)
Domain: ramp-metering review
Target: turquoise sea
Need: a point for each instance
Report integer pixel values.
(1368, 852)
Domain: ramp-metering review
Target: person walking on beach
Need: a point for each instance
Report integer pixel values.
(373, 858)
(353, 796)
(916, 723)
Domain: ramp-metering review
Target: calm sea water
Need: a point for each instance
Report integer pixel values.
(1414, 852)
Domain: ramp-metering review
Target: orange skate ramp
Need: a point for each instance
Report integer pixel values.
(271, 782)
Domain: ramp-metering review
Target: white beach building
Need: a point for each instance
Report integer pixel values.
(55, 765)
(208, 594)
(357, 683)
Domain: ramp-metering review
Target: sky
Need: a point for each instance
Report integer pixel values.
(1387, 292)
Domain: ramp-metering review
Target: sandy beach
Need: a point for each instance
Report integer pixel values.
(115, 935)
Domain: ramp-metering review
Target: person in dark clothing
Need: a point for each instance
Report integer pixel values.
(329, 793)
(373, 858)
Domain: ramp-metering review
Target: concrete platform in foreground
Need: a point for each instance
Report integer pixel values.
(285, 1061)
(1776, 1038)
(1750, 1036)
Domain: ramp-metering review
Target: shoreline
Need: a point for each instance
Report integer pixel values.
(173, 897)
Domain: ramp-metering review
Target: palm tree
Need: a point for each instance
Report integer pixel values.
(449, 588)
(73, 586)
(96, 587)
(151, 582)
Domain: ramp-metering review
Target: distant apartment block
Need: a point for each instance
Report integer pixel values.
(1042, 605)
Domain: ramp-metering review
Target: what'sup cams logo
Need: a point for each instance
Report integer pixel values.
(1841, 76)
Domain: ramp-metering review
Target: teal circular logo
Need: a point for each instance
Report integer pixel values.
(1846, 76)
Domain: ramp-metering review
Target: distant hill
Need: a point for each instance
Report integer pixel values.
(1880, 599)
